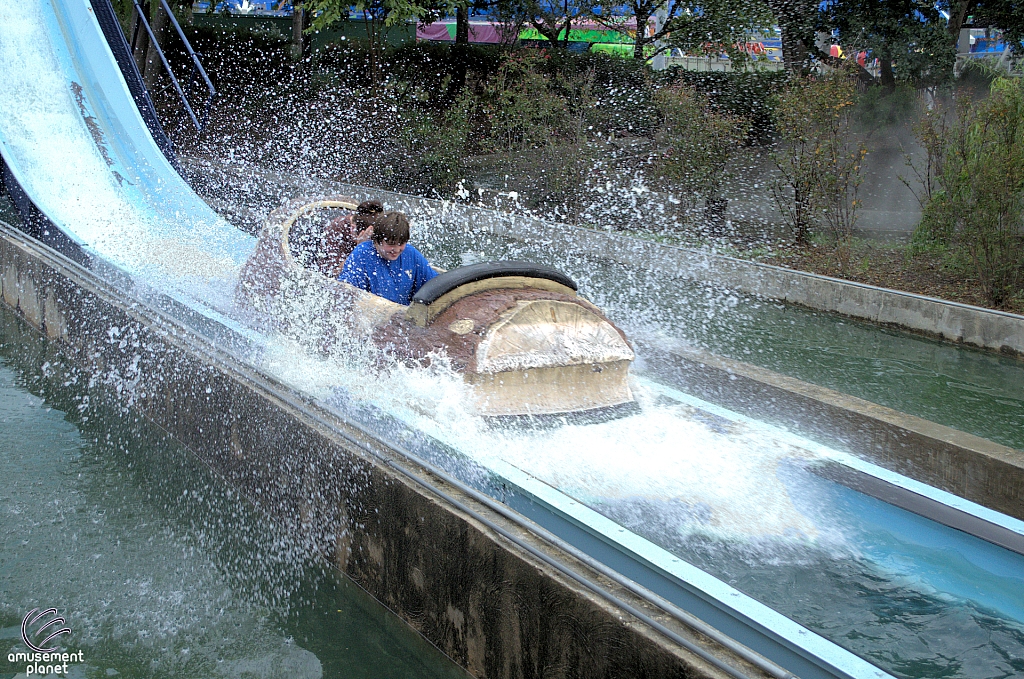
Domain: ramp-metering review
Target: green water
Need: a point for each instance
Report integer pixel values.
(975, 391)
(157, 565)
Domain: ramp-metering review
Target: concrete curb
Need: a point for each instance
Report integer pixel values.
(969, 466)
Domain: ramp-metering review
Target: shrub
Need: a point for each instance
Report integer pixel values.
(522, 111)
(978, 212)
(819, 164)
(747, 94)
(545, 118)
(877, 106)
(437, 142)
(623, 101)
(699, 143)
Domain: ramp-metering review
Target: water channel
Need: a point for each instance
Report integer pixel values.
(160, 568)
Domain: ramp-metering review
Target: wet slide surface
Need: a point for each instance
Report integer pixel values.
(724, 494)
(72, 138)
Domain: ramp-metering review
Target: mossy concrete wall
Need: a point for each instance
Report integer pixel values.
(492, 607)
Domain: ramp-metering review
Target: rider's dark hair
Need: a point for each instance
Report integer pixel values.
(370, 207)
(391, 228)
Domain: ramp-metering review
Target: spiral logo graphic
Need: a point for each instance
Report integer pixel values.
(51, 629)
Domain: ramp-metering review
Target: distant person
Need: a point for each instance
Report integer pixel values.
(387, 265)
(344, 233)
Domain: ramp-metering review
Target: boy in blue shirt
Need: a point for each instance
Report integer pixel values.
(386, 265)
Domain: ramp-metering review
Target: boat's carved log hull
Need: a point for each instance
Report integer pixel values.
(526, 344)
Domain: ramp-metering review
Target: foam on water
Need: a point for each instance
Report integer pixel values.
(685, 477)
(722, 473)
(124, 578)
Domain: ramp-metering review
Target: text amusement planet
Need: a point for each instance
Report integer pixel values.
(41, 632)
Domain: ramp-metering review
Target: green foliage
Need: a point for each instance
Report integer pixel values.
(379, 16)
(716, 26)
(530, 106)
(429, 62)
(420, 67)
(747, 94)
(570, 163)
(710, 25)
(978, 213)
(125, 12)
(930, 129)
(819, 166)
(389, 12)
(699, 143)
(546, 116)
(877, 107)
(909, 37)
(522, 110)
(348, 61)
(622, 90)
(438, 141)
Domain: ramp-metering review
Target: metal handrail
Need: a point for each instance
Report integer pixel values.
(196, 65)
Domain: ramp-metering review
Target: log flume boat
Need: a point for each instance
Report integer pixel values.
(517, 332)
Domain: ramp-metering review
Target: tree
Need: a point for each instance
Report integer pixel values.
(913, 39)
(819, 167)
(1007, 15)
(380, 16)
(436, 141)
(523, 112)
(909, 37)
(553, 19)
(699, 142)
(796, 19)
(716, 25)
(300, 35)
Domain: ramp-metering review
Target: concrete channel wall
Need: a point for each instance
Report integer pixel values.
(423, 548)
(961, 323)
(971, 467)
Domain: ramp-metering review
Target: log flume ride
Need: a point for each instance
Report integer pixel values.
(517, 332)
